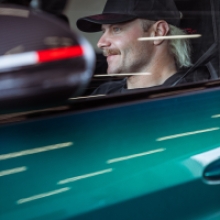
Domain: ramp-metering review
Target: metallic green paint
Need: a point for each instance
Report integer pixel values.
(138, 161)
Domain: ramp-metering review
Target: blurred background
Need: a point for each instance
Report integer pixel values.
(73, 9)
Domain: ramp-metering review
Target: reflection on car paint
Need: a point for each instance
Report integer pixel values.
(187, 134)
(76, 178)
(12, 171)
(115, 160)
(43, 195)
(35, 151)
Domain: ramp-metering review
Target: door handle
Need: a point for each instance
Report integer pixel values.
(212, 172)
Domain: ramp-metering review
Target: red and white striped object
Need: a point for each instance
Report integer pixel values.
(37, 57)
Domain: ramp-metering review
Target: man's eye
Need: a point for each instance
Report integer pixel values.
(116, 29)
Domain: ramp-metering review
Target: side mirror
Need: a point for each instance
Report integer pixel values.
(42, 61)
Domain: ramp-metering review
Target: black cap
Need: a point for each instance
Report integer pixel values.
(118, 11)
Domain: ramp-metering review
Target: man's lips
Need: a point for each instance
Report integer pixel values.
(110, 57)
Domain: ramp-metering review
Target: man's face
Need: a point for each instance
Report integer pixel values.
(125, 54)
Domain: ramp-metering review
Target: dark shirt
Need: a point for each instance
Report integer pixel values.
(120, 86)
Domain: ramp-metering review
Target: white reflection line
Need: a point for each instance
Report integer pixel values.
(186, 134)
(122, 74)
(87, 97)
(185, 36)
(216, 116)
(14, 12)
(43, 195)
(35, 151)
(135, 155)
(12, 171)
(73, 179)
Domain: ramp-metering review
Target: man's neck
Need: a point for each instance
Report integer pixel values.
(156, 75)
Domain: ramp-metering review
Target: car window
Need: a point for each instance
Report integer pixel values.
(139, 55)
(199, 25)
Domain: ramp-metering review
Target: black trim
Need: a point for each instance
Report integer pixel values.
(79, 106)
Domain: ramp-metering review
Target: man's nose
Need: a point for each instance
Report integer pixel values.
(104, 41)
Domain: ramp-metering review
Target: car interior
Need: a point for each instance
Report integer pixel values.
(198, 17)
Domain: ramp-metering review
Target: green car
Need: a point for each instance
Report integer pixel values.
(152, 153)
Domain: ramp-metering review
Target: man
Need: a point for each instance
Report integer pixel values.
(149, 63)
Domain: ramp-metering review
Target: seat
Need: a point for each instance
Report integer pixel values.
(201, 17)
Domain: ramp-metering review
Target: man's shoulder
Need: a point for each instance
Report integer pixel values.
(184, 76)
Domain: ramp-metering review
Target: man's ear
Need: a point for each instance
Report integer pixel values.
(160, 28)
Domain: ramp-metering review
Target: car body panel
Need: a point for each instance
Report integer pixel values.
(140, 160)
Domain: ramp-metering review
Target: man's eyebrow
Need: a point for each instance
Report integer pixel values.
(111, 25)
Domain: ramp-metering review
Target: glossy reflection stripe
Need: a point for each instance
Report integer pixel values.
(36, 57)
(186, 36)
(73, 179)
(12, 171)
(88, 97)
(43, 195)
(35, 151)
(187, 134)
(122, 74)
(216, 116)
(119, 159)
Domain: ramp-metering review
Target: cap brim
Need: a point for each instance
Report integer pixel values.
(93, 23)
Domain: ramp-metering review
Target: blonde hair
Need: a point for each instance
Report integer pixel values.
(179, 48)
